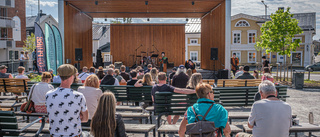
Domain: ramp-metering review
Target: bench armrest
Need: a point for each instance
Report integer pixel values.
(37, 120)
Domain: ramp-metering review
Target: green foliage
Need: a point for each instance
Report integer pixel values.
(29, 43)
(34, 77)
(277, 34)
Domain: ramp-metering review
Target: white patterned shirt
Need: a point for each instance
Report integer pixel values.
(63, 107)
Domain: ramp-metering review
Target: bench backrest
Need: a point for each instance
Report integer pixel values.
(129, 93)
(234, 82)
(8, 120)
(13, 85)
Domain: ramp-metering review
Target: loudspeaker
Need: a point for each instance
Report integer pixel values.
(223, 74)
(78, 54)
(99, 58)
(214, 54)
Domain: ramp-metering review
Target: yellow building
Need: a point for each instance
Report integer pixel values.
(193, 40)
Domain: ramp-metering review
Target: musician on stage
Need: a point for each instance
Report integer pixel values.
(190, 65)
(163, 60)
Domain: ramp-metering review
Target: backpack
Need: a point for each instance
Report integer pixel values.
(203, 128)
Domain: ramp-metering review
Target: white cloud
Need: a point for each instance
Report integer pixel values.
(43, 3)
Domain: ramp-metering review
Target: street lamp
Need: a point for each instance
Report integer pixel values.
(265, 6)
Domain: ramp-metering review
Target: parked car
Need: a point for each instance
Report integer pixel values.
(313, 67)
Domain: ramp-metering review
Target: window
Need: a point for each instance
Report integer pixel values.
(193, 41)
(252, 36)
(194, 55)
(238, 55)
(236, 37)
(242, 23)
(13, 55)
(295, 38)
(296, 58)
(252, 57)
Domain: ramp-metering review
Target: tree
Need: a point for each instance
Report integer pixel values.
(29, 43)
(277, 34)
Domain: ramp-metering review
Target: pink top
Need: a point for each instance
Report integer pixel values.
(263, 78)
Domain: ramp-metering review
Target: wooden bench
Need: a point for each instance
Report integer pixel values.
(243, 115)
(233, 82)
(244, 96)
(13, 85)
(10, 127)
(302, 127)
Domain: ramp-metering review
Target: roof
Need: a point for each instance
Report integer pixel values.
(98, 30)
(31, 19)
(193, 25)
(105, 47)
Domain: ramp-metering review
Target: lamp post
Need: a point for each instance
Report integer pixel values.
(265, 6)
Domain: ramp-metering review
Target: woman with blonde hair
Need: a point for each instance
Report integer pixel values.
(189, 73)
(145, 81)
(38, 92)
(92, 93)
(105, 122)
(194, 80)
(154, 75)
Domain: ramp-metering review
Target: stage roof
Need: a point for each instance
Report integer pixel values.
(145, 8)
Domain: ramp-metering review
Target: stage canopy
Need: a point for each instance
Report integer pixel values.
(75, 18)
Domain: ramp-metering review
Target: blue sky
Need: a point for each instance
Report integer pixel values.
(251, 7)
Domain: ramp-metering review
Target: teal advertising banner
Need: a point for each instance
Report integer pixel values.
(50, 48)
(59, 50)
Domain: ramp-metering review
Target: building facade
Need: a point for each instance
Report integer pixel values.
(101, 40)
(44, 18)
(316, 44)
(12, 29)
(193, 40)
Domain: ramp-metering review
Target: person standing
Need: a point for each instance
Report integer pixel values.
(265, 62)
(270, 117)
(26, 58)
(66, 107)
(234, 63)
(163, 61)
(22, 58)
(190, 65)
(34, 59)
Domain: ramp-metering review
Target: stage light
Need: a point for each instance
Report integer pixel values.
(148, 19)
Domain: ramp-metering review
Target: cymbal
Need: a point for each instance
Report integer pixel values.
(143, 52)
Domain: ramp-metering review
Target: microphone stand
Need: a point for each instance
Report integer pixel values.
(137, 52)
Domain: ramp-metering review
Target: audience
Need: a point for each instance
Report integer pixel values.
(83, 76)
(180, 79)
(100, 73)
(195, 79)
(3, 72)
(154, 75)
(172, 73)
(105, 122)
(145, 81)
(267, 74)
(163, 87)
(255, 74)
(138, 68)
(123, 73)
(51, 73)
(140, 74)
(92, 71)
(118, 76)
(38, 92)
(217, 113)
(21, 73)
(66, 107)
(189, 72)
(109, 79)
(270, 116)
(246, 74)
(134, 79)
(92, 93)
(149, 68)
(239, 73)
(56, 79)
(111, 66)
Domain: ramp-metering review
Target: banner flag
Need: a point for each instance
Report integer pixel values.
(59, 50)
(50, 48)
(41, 48)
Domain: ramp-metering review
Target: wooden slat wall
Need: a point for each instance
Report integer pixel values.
(125, 38)
(213, 36)
(78, 34)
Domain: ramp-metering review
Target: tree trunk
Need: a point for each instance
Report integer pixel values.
(284, 67)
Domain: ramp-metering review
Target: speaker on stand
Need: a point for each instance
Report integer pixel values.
(78, 56)
(214, 57)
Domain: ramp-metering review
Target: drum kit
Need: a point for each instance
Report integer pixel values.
(144, 59)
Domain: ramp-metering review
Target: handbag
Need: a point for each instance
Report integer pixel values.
(202, 128)
(29, 105)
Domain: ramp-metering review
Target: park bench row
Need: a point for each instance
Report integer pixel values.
(233, 82)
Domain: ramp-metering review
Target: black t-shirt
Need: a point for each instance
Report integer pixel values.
(162, 88)
(132, 82)
(266, 63)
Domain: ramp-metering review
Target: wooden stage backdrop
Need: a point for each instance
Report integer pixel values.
(168, 38)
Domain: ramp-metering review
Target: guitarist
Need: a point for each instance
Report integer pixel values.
(163, 62)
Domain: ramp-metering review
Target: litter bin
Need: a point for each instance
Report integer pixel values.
(298, 79)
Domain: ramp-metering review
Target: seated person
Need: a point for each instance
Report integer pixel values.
(3, 72)
(194, 80)
(83, 76)
(109, 79)
(266, 75)
(270, 117)
(239, 73)
(180, 79)
(145, 81)
(100, 73)
(140, 74)
(218, 114)
(21, 73)
(56, 79)
(123, 73)
(246, 74)
(163, 87)
(134, 79)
